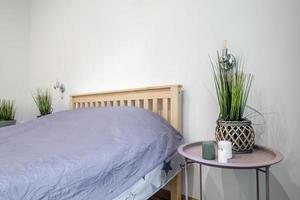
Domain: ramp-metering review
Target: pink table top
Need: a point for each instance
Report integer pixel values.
(260, 157)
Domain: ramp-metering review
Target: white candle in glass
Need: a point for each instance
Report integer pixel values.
(227, 147)
(222, 156)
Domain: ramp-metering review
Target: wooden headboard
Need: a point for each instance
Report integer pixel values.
(164, 100)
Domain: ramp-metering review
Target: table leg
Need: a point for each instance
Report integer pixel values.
(267, 183)
(200, 174)
(186, 180)
(257, 184)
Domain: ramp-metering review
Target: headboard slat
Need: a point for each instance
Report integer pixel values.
(165, 108)
(146, 104)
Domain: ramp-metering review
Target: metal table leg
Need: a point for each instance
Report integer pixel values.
(200, 173)
(267, 183)
(257, 184)
(186, 180)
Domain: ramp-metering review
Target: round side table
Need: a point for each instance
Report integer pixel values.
(261, 159)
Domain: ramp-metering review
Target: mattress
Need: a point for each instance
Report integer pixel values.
(84, 154)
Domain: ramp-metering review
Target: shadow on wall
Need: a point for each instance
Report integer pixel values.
(233, 185)
(286, 172)
(191, 177)
(241, 185)
(277, 192)
(279, 135)
(211, 189)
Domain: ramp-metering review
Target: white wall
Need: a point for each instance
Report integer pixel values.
(14, 41)
(93, 45)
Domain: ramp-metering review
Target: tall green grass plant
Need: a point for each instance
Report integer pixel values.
(43, 100)
(232, 87)
(7, 110)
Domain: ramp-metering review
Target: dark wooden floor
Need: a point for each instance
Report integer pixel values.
(161, 195)
(157, 198)
(165, 195)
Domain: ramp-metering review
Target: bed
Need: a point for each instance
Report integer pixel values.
(46, 159)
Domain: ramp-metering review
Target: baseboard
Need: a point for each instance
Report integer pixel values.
(166, 195)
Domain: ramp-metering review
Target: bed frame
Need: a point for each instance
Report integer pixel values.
(164, 100)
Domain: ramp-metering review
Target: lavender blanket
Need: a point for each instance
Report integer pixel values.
(82, 154)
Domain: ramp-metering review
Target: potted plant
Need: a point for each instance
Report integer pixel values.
(233, 87)
(43, 100)
(7, 113)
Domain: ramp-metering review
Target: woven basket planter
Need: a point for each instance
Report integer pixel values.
(239, 133)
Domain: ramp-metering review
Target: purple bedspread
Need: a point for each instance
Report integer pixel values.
(82, 154)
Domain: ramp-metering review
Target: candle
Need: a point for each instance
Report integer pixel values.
(222, 156)
(208, 150)
(227, 147)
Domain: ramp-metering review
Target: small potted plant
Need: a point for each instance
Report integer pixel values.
(233, 87)
(7, 113)
(43, 100)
